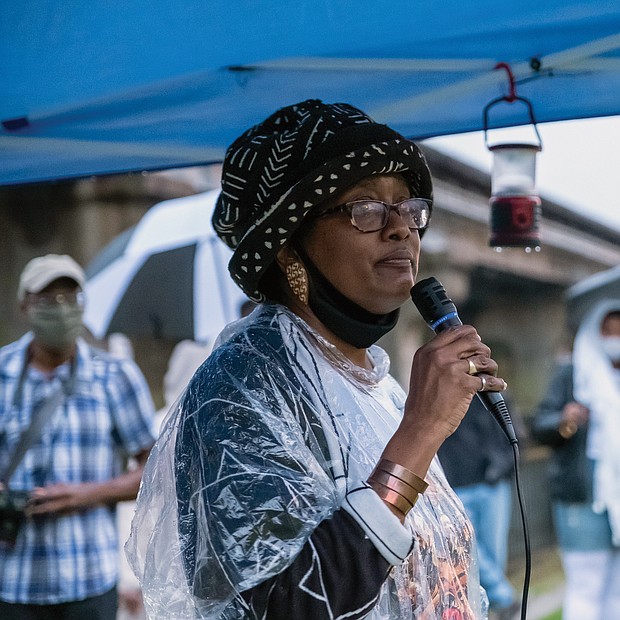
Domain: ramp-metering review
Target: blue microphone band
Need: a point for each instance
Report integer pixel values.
(443, 319)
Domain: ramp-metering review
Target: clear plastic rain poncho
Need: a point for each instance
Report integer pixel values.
(272, 433)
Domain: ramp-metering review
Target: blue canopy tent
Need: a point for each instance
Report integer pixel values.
(98, 88)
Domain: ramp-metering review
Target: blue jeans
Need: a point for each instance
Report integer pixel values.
(101, 607)
(488, 507)
(579, 528)
(591, 563)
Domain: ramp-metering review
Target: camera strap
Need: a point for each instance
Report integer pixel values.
(40, 415)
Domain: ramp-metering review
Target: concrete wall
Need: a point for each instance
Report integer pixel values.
(513, 298)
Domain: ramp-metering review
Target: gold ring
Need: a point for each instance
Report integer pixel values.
(472, 367)
(484, 383)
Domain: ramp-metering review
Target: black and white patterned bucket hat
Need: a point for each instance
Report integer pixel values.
(279, 170)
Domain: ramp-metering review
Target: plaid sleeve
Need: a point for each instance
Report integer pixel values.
(131, 406)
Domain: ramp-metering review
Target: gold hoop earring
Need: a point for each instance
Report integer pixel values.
(297, 278)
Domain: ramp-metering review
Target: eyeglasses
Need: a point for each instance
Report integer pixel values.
(372, 215)
(49, 300)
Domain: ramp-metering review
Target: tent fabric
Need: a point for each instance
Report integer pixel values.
(91, 88)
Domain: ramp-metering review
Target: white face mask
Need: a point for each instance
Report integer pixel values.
(611, 346)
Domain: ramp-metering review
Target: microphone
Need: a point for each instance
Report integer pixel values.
(439, 312)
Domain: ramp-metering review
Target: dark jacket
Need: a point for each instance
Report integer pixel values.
(478, 451)
(570, 470)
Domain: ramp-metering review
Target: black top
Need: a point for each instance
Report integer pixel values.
(478, 451)
(570, 470)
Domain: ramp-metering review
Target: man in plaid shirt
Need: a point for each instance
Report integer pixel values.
(64, 562)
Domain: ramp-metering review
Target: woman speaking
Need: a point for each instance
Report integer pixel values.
(295, 479)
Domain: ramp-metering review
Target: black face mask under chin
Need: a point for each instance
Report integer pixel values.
(342, 316)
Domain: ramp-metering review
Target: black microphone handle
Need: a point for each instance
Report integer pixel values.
(439, 312)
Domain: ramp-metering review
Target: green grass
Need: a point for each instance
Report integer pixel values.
(546, 575)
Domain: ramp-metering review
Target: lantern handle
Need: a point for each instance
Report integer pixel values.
(510, 98)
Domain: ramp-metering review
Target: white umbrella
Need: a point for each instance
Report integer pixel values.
(166, 277)
(582, 296)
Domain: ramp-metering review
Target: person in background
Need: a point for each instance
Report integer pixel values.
(185, 359)
(130, 604)
(295, 478)
(579, 417)
(478, 462)
(64, 561)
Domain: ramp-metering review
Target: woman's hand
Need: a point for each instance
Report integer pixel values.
(441, 388)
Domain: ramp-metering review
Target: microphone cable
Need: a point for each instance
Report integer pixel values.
(439, 312)
(526, 533)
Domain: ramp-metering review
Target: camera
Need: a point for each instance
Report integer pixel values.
(12, 514)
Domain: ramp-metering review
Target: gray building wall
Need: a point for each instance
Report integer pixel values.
(513, 298)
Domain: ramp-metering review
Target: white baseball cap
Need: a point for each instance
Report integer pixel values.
(41, 271)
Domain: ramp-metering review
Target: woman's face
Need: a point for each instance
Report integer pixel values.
(376, 270)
